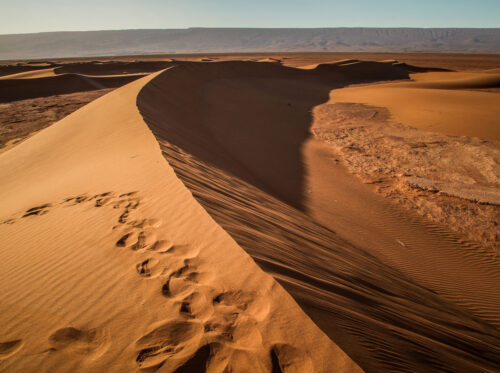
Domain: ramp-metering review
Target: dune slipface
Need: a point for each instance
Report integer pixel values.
(110, 264)
(238, 135)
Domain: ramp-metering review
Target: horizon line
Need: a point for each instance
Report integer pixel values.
(258, 28)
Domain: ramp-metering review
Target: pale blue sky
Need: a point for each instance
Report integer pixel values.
(23, 16)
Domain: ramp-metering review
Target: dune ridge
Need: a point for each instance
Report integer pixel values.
(381, 304)
(122, 270)
(21, 89)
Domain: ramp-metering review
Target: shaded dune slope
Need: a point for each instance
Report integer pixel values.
(20, 89)
(234, 133)
(272, 162)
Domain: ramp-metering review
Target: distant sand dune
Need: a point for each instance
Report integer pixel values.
(20, 89)
(451, 103)
(30, 74)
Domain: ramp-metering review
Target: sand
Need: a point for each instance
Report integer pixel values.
(222, 216)
(138, 275)
(23, 118)
(452, 105)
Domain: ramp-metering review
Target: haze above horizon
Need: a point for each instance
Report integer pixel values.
(69, 15)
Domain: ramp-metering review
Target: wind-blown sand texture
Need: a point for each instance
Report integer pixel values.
(116, 258)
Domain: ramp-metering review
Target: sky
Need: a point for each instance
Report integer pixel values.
(26, 16)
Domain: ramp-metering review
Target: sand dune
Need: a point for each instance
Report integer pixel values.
(249, 166)
(42, 73)
(199, 219)
(20, 89)
(109, 263)
(112, 67)
(449, 103)
(11, 69)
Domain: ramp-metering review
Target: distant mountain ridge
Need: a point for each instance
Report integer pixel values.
(220, 40)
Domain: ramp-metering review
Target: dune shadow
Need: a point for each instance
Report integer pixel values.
(249, 119)
(22, 89)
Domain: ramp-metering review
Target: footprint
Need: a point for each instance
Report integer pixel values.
(144, 223)
(196, 305)
(9, 348)
(129, 239)
(185, 251)
(162, 246)
(245, 333)
(124, 217)
(146, 240)
(38, 210)
(138, 239)
(177, 287)
(248, 303)
(79, 341)
(200, 277)
(102, 201)
(73, 201)
(149, 268)
(132, 204)
(234, 329)
(170, 344)
(181, 282)
(155, 223)
(132, 218)
(290, 359)
(128, 194)
(105, 194)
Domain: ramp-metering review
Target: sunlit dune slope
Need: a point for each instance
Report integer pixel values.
(30, 74)
(458, 104)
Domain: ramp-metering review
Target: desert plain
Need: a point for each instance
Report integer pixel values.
(274, 212)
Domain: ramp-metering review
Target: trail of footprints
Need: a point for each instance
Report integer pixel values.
(215, 331)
